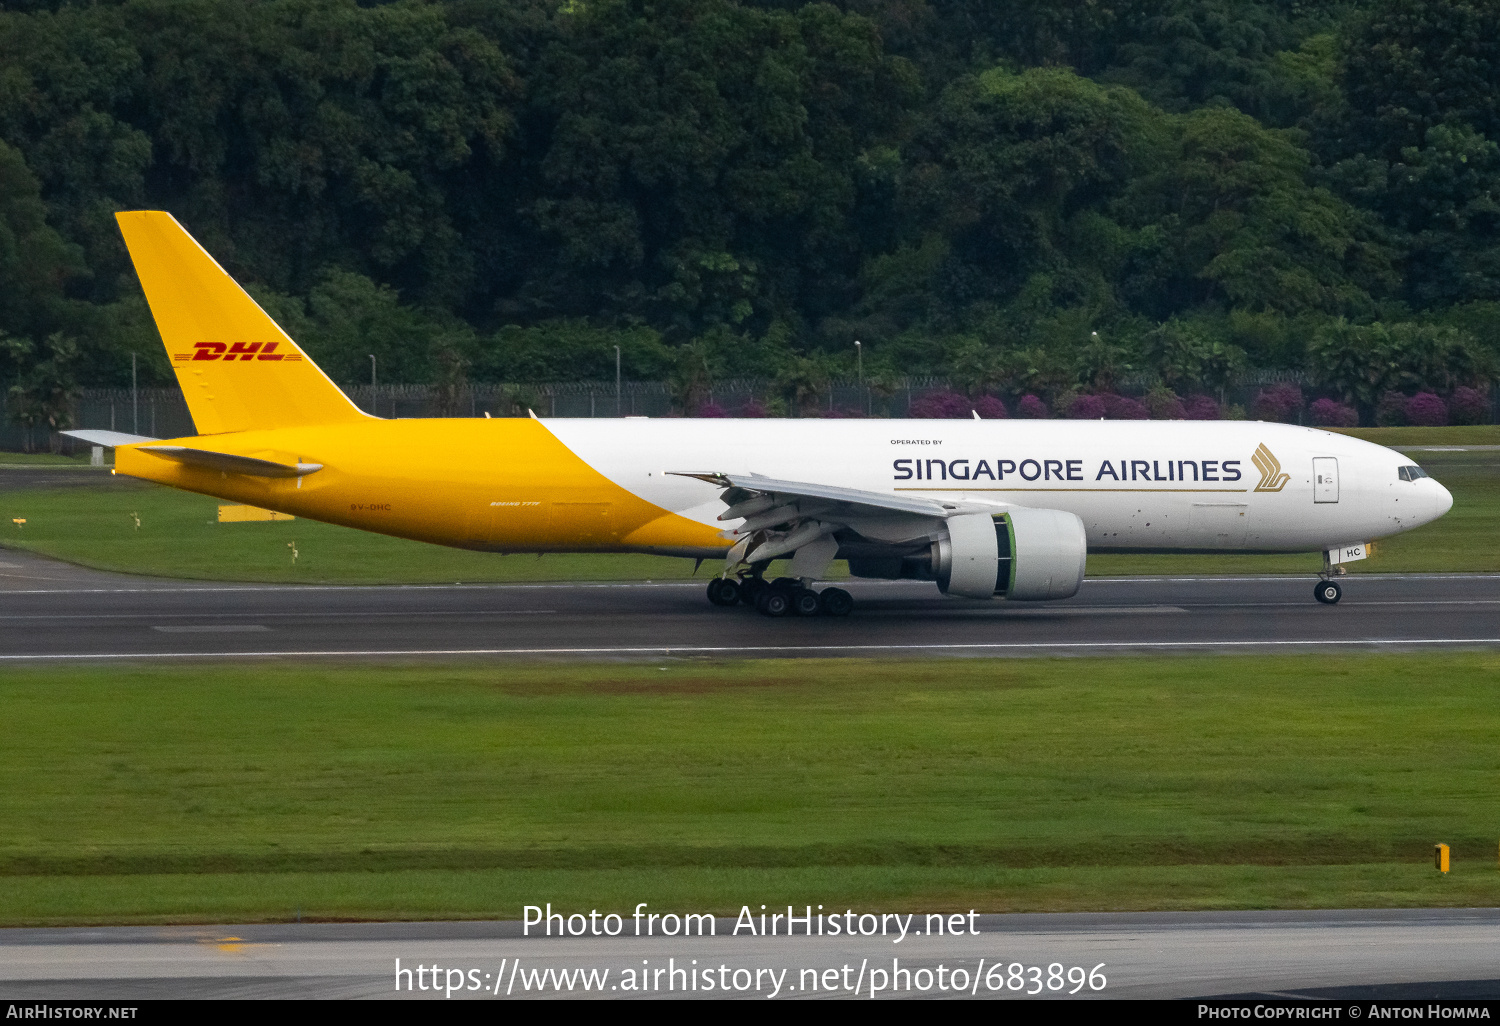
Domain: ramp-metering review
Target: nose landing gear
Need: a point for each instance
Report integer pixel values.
(1327, 590)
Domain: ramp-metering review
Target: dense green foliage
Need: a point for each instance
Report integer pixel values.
(508, 189)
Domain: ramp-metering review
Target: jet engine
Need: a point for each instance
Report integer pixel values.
(1026, 554)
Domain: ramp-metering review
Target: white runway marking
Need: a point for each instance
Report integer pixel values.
(361, 614)
(299, 588)
(754, 649)
(1162, 956)
(1292, 578)
(221, 628)
(1361, 604)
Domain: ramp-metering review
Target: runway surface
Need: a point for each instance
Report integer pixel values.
(1411, 953)
(55, 612)
(51, 612)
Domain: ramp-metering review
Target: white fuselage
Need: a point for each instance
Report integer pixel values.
(1136, 485)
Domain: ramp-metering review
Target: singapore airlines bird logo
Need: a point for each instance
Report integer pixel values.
(1271, 477)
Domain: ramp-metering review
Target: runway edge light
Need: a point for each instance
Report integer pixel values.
(1440, 857)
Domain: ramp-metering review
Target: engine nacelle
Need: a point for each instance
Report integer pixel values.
(1027, 554)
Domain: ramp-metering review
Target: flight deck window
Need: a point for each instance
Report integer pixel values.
(1411, 473)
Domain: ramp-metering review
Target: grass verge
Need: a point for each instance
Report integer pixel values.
(41, 459)
(1480, 434)
(147, 794)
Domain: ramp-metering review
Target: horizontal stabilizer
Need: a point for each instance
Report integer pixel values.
(110, 439)
(231, 464)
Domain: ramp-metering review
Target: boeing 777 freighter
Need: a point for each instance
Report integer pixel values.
(983, 508)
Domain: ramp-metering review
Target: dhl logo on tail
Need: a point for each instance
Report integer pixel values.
(1271, 477)
(236, 351)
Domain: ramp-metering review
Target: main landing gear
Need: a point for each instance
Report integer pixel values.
(781, 597)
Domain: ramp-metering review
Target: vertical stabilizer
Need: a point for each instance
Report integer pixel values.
(238, 370)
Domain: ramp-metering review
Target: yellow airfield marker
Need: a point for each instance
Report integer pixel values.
(1440, 857)
(246, 514)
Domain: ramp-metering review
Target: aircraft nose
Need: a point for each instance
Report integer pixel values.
(1442, 502)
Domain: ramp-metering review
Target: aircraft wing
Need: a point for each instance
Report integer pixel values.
(782, 516)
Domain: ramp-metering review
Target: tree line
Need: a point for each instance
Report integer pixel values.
(1028, 197)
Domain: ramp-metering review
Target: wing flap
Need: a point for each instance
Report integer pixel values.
(779, 517)
(742, 487)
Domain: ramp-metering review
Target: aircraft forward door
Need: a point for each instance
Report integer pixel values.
(1325, 479)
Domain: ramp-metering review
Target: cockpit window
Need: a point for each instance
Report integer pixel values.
(1411, 473)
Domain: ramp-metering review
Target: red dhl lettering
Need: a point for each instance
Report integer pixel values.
(237, 351)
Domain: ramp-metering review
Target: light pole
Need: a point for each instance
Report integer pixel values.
(617, 381)
(374, 401)
(859, 363)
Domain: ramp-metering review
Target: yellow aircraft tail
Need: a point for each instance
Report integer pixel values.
(238, 370)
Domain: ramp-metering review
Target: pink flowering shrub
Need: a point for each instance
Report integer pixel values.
(990, 408)
(1468, 406)
(1122, 407)
(1202, 407)
(940, 406)
(1087, 407)
(711, 409)
(1032, 408)
(1281, 402)
(1426, 410)
(753, 409)
(1332, 413)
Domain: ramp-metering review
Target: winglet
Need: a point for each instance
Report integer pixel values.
(712, 477)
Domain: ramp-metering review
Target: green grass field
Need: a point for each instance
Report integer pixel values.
(41, 459)
(1481, 434)
(90, 518)
(245, 793)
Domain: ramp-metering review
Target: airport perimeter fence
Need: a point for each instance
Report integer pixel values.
(162, 413)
